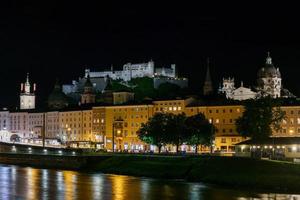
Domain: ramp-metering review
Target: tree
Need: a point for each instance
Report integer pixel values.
(176, 130)
(200, 131)
(260, 117)
(154, 131)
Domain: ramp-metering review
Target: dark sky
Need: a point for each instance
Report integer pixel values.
(57, 39)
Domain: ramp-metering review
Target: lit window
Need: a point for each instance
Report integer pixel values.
(174, 108)
(210, 120)
(170, 108)
(217, 121)
(179, 108)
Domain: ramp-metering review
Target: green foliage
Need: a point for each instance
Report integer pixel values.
(168, 128)
(117, 86)
(260, 117)
(200, 130)
(154, 131)
(168, 90)
(176, 130)
(144, 88)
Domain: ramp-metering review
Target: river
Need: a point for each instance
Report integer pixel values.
(30, 183)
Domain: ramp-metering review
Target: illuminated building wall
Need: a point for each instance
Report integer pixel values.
(75, 125)
(125, 121)
(52, 124)
(27, 96)
(291, 124)
(19, 124)
(36, 123)
(4, 120)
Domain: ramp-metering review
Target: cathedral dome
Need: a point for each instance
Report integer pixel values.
(57, 99)
(268, 71)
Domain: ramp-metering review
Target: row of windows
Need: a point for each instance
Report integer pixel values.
(233, 140)
(132, 109)
(224, 110)
(217, 121)
(74, 114)
(170, 103)
(174, 108)
(292, 112)
(292, 121)
(224, 130)
(79, 119)
(71, 125)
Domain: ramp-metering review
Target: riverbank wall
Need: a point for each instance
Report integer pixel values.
(227, 171)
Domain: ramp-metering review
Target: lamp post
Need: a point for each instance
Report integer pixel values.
(115, 122)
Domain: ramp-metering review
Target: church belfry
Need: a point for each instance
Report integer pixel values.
(27, 95)
(207, 87)
(88, 96)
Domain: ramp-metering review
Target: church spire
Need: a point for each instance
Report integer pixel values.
(269, 59)
(27, 79)
(207, 88)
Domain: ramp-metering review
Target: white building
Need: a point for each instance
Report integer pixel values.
(135, 71)
(4, 120)
(269, 80)
(268, 84)
(19, 124)
(36, 124)
(240, 93)
(243, 93)
(129, 71)
(27, 96)
(52, 125)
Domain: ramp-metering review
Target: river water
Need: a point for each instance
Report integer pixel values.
(30, 183)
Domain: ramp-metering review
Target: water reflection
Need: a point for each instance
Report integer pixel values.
(30, 183)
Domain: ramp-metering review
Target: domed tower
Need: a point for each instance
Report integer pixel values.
(57, 99)
(27, 95)
(269, 79)
(88, 95)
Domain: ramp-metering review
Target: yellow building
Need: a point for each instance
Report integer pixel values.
(126, 120)
(122, 124)
(76, 125)
(223, 118)
(291, 124)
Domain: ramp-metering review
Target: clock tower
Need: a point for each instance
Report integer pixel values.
(27, 95)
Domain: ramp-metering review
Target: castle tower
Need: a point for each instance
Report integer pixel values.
(227, 87)
(269, 79)
(207, 87)
(88, 95)
(27, 96)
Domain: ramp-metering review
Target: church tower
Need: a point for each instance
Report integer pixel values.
(88, 95)
(207, 87)
(27, 96)
(269, 79)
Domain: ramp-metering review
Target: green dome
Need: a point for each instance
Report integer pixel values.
(57, 99)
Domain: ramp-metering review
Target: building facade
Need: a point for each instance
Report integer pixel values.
(27, 96)
(269, 83)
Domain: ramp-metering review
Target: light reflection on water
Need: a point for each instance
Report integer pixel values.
(30, 183)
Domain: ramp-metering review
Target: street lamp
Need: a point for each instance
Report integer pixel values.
(116, 123)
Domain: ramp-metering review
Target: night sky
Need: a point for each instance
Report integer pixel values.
(56, 39)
